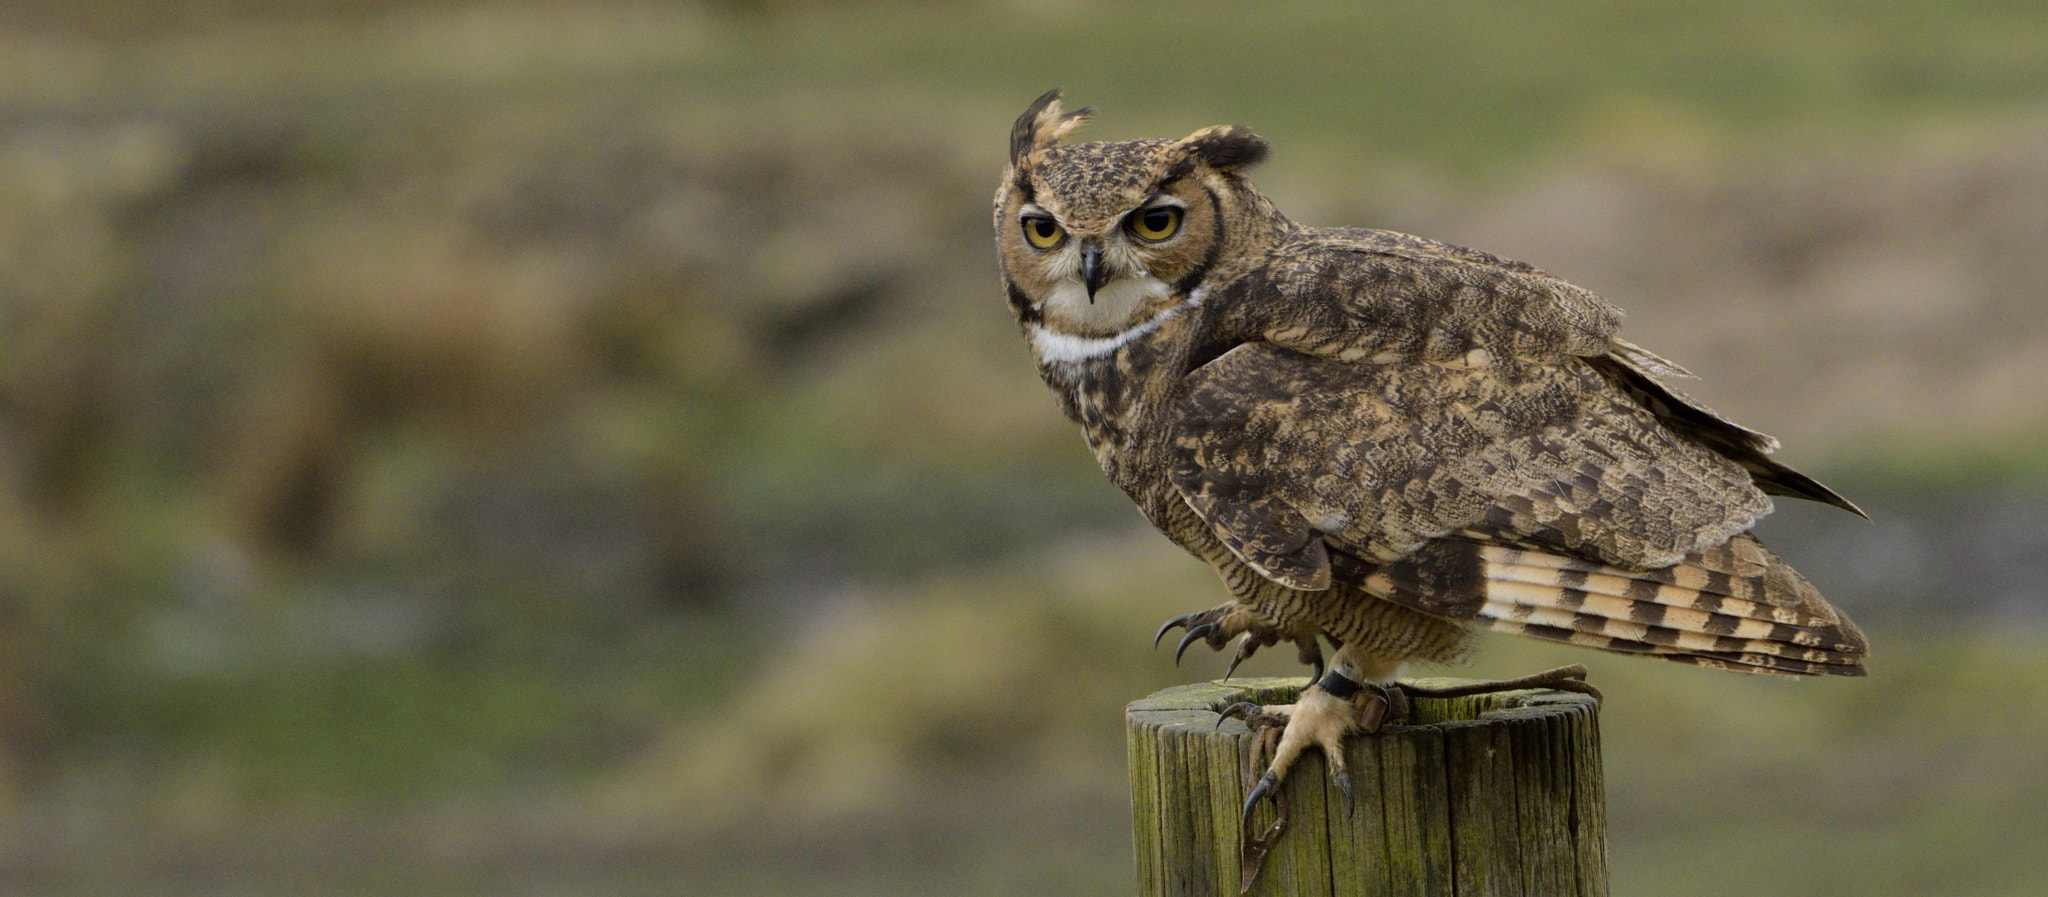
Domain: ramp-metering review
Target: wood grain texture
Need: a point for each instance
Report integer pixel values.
(1497, 794)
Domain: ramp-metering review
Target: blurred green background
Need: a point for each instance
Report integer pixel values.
(580, 448)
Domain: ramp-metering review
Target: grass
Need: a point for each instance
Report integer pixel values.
(844, 767)
(1460, 87)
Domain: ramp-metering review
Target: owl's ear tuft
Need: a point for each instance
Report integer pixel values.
(1042, 126)
(1226, 147)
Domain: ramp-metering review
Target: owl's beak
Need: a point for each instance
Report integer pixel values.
(1092, 272)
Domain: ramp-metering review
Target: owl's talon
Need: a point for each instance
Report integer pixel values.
(1193, 635)
(1218, 625)
(1279, 734)
(1308, 651)
(1319, 719)
(1171, 625)
(1245, 648)
(1240, 710)
(1266, 785)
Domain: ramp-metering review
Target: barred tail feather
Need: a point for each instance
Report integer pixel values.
(1734, 661)
(1735, 606)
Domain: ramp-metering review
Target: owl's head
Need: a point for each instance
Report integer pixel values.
(1097, 238)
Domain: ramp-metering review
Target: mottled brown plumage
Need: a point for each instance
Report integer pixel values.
(1386, 440)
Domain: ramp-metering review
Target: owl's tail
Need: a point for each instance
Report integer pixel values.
(1733, 607)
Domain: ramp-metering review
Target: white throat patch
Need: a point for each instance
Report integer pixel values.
(1111, 305)
(1067, 348)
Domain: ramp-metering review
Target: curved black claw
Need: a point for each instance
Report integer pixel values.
(1251, 804)
(1310, 650)
(1245, 649)
(1316, 676)
(1170, 626)
(1241, 710)
(1193, 635)
(1252, 855)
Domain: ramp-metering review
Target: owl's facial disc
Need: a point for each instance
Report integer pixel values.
(1098, 273)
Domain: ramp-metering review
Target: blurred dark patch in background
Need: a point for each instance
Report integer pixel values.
(553, 447)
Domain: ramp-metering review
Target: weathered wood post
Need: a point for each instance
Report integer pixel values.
(1498, 794)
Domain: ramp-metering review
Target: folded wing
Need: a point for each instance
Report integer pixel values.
(1536, 497)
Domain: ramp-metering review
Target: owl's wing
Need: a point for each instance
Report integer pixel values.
(1517, 495)
(1355, 294)
(1633, 371)
(1275, 448)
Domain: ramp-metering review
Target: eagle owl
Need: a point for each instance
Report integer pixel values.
(1385, 441)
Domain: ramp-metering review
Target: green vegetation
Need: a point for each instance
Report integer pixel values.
(585, 440)
(1460, 87)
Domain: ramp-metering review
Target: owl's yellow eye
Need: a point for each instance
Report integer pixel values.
(1042, 233)
(1155, 224)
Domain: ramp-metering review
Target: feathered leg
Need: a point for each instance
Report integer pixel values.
(1354, 696)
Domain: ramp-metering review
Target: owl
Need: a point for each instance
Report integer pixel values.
(1387, 442)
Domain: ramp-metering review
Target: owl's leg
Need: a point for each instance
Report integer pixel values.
(1359, 695)
(1218, 625)
(1356, 695)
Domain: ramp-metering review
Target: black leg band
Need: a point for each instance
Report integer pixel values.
(1340, 686)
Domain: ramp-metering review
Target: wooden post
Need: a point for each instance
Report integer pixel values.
(1498, 794)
